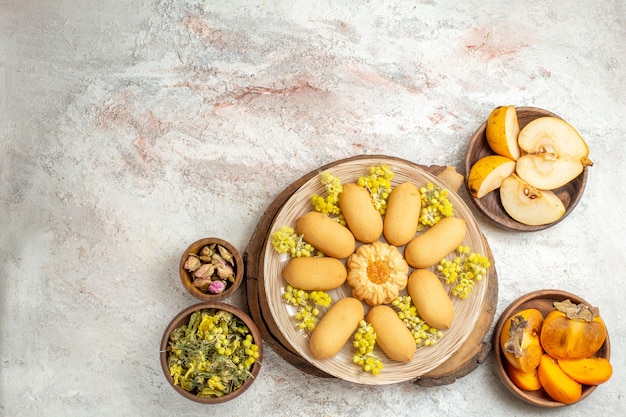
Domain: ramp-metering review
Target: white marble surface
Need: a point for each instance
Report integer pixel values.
(131, 128)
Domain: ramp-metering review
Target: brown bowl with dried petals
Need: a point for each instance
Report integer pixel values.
(211, 269)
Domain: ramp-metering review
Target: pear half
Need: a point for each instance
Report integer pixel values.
(529, 205)
(553, 153)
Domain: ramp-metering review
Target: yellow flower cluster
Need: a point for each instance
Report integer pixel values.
(423, 334)
(435, 205)
(310, 305)
(286, 240)
(329, 204)
(463, 271)
(364, 340)
(212, 355)
(378, 183)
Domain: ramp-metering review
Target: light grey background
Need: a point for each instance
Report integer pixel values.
(130, 129)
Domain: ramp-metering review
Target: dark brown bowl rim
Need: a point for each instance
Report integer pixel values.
(537, 398)
(185, 277)
(183, 318)
(503, 220)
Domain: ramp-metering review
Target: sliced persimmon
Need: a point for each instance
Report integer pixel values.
(526, 381)
(588, 371)
(557, 384)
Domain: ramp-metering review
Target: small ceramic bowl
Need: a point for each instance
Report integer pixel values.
(491, 205)
(543, 301)
(187, 278)
(181, 319)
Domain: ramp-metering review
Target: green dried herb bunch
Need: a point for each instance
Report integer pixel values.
(213, 354)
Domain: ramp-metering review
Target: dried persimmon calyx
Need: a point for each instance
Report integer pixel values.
(519, 339)
(516, 336)
(579, 311)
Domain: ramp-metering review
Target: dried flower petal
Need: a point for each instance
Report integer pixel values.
(225, 272)
(217, 259)
(226, 255)
(217, 287)
(207, 250)
(202, 284)
(192, 263)
(205, 271)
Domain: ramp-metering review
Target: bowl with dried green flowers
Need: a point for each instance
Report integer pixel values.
(211, 352)
(211, 269)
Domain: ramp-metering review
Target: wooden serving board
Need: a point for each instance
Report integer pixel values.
(462, 362)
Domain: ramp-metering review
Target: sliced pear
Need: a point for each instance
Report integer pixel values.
(502, 131)
(529, 205)
(487, 174)
(555, 153)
